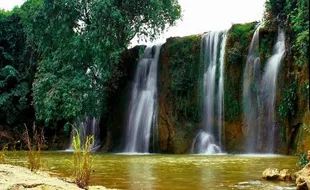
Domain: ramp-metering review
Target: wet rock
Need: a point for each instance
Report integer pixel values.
(271, 174)
(303, 178)
(285, 175)
(275, 174)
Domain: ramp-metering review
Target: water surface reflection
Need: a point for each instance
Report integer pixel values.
(179, 172)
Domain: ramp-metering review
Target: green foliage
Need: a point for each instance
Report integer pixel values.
(266, 43)
(238, 41)
(13, 95)
(288, 106)
(305, 90)
(234, 109)
(80, 43)
(184, 54)
(16, 69)
(293, 17)
(303, 161)
(241, 33)
(82, 160)
(34, 146)
(235, 56)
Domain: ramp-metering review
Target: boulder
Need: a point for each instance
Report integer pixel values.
(20, 178)
(303, 178)
(275, 174)
(285, 175)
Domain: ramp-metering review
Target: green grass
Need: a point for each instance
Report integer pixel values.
(82, 160)
(34, 161)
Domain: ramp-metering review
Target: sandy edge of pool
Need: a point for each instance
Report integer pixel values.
(18, 178)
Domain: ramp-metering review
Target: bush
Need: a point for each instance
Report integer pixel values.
(184, 63)
(288, 105)
(34, 148)
(82, 160)
(302, 160)
(2, 154)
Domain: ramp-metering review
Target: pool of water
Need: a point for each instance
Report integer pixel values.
(165, 172)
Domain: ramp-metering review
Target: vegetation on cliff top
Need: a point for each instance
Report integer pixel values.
(238, 41)
(184, 64)
(293, 17)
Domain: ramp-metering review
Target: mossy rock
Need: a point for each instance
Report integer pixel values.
(303, 138)
(179, 100)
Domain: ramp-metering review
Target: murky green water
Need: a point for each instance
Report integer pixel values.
(165, 172)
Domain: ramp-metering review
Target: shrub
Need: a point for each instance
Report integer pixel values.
(287, 108)
(303, 160)
(34, 148)
(82, 160)
(2, 154)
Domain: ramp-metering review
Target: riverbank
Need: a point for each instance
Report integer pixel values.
(20, 178)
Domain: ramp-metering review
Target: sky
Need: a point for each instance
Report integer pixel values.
(200, 16)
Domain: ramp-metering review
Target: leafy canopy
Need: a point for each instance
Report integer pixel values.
(80, 42)
(16, 61)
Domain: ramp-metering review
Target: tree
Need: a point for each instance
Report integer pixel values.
(16, 70)
(80, 42)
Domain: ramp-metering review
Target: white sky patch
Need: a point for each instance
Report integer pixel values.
(199, 15)
(10, 4)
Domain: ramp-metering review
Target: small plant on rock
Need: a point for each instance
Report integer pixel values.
(303, 161)
(82, 160)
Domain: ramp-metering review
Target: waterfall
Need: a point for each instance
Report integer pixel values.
(213, 46)
(142, 107)
(204, 143)
(87, 127)
(269, 84)
(220, 115)
(250, 95)
(259, 96)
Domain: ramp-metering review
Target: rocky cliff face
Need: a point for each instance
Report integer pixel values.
(179, 94)
(113, 122)
(179, 116)
(180, 90)
(238, 41)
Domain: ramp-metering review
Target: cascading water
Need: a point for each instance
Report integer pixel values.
(269, 84)
(250, 95)
(142, 107)
(204, 143)
(206, 140)
(220, 114)
(88, 127)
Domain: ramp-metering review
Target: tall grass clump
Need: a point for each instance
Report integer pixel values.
(34, 148)
(2, 154)
(82, 159)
